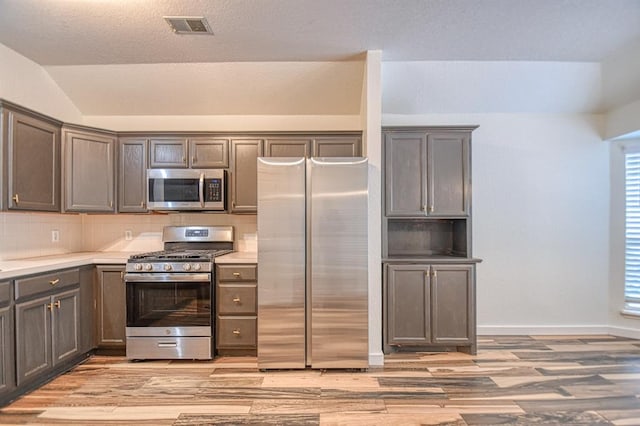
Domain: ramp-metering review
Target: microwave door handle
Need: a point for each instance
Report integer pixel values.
(201, 188)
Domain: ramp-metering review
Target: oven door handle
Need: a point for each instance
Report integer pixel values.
(151, 278)
(201, 188)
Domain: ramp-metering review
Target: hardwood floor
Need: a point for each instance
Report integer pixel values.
(587, 380)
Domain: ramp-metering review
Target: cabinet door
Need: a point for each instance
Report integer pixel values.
(168, 153)
(7, 357)
(89, 172)
(448, 174)
(33, 164)
(405, 172)
(110, 298)
(33, 338)
(87, 308)
(244, 175)
(132, 176)
(343, 146)
(452, 301)
(408, 305)
(65, 326)
(287, 147)
(209, 153)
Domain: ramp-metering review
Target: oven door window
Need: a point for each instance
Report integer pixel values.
(174, 190)
(168, 304)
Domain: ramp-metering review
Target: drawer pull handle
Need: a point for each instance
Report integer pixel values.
(236, 299)
(54, 282)
(167, 344)
(236, 331)
(236, 274)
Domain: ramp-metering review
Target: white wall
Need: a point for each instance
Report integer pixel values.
(621, 92)
(26, 83)
(540, 220)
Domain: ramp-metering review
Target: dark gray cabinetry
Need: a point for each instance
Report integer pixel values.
(314, 146)
(287, 147)
(208, 153)
(236, 308)
(169, 152)
(244, 174)
(429, 305)
(87, 308)
(47, 312)
(337, 146)
(426, 173)
(31, 160)
(110, 302)
(132, 175)
(7, 347)
(89, 170)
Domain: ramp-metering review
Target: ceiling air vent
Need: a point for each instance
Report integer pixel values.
(189, 24)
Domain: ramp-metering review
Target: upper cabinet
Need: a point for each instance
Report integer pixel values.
(31, 152)
(314, 146)
(337, 146)
(168, 153)
(244, 174)
(196, 153)
(89, 170)
(287, 147)
(427, 173)
(132, 175)
(208, 153)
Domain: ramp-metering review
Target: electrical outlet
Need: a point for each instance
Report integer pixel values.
(55, 236)
(128, 235)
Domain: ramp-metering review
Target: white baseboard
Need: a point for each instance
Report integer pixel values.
(376, 359)
(544, 330)
(632, 333)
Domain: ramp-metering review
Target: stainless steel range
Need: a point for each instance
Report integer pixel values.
(170, 297)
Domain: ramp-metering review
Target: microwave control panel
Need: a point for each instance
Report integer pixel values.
(213, 190)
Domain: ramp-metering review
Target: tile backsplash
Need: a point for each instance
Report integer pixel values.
(30, 234)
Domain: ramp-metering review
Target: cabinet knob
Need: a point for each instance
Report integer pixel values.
(16, 199)
(57, 304)
(431, 209)
(54, 282)
(49, 306)
(236, 331)
(141, 204)
(236, 300)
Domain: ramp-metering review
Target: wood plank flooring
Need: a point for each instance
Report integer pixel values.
(514, 380)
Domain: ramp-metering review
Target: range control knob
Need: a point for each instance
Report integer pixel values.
(148, 267)
(197, 267)
(138, 267)
(186, 266)
(167, 267)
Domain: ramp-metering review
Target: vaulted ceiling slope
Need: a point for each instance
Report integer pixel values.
(83, 32)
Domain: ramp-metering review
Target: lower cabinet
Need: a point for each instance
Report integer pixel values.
(7, 357)
(47, 333)
(236, 308)
(110, 307)
(429, 305)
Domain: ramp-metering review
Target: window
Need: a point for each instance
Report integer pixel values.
(632, 232)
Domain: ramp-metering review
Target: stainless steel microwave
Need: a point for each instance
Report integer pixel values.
(186, 189)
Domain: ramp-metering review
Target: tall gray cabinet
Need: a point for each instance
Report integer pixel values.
(429, 270)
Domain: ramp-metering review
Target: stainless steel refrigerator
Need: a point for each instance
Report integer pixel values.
(312, 263)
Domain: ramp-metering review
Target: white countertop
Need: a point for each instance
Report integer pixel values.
(13, 268)
(238, 257)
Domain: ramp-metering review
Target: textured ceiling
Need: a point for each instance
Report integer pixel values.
(79, 32)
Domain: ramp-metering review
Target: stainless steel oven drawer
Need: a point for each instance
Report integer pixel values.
(237, 272)
(234, 299)
(169, 348)
(236, 332)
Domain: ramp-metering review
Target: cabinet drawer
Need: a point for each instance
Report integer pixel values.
(236, 332)
(236, 299)
(26, 287)
(5, 293)
(237, 272)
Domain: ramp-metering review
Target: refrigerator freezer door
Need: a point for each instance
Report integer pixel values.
(281, 263)
(338, 262)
